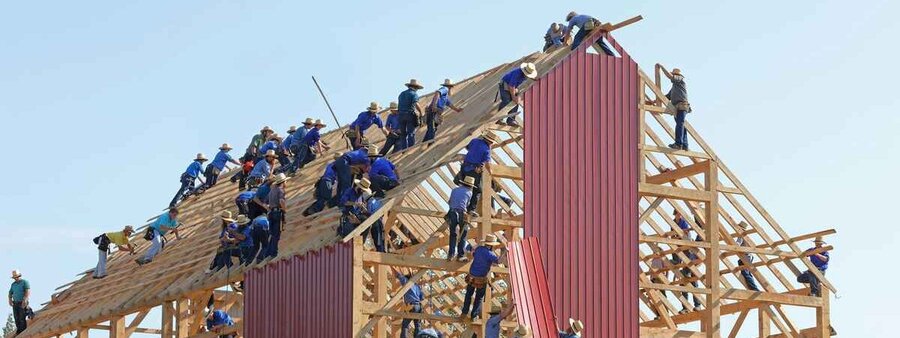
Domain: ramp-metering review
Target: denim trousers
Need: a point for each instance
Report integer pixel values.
(19, 316)
(155, 246)
(381, 183)
(408, 124)
(276, 219)
(680, 132)
(100, 271)
(414, 308)
(324, 195)
(389, 143)
(344, 177)
(479, 298)
(458, 233)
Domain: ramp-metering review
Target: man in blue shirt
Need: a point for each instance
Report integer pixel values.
(556, 36)
(230, 240)
(163, 224)
(217, 321)
(574, 330)
(259, 229)
(324, 193)
(353, 206)
(19, 293)
(392, 127)
(413, 299)
(373, 203)
(478, 155)
(477, 280)
(262, 170)
(682, 224)
(819, 258)
(497, 315)
(585, 23)
(434, 113)
(410, 114)
(508, 90)
(187, 178)
(214, 168)
(242, 201)
(259, 204)
(311, 145)
(459, 201)
(366, 119)
(271, 143)
(355, 161)
(295, 144)
(383, 175)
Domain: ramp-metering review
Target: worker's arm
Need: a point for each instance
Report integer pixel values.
(455, 108)
(25, 299)
(664, 71)
(9, 298)
(260, 202)
(126, 247)
(172, 229)
(822, 257)
(508, 310)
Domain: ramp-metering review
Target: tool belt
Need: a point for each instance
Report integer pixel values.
(102, 242)
(149, 234)
(477, 282)
(590, 25)
(683, 105)
(351, 134)
(436, 115)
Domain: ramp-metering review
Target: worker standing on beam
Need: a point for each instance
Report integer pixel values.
(508, 90)
(277, 207)
(217, 321)
(492, 325)
(478, 157)
(324, 189)
(392, 126)
(434, 113)
(586, 25)
(819, 259)
(120, 239)
(477, 280)
(413, 299)
(456, 218)
(383, 175)
(155, 232)
(679, 106)
(19, 293)
(574, 330)
(312, 145)
(262, 170)
(556, 36)
(366, 119)
(410, 114)
(217, 165)
(745, 260)
(188, 177)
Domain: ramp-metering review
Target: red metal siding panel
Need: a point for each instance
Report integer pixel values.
(305, 296)
(581, 153)
(529, 284)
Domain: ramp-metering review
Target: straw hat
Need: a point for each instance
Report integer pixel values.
(319, 123)
(529, 69)
(373, 106)
(200, 157)
(292, 129)
(336, 156)
(226, 216)
(495, 309)
(490, 136)
(523, 331)
(576, 325)
(447, 83)
(469, 181)
(413, 83)
(271, 153)
(364, 183)
(819, 240)
(372, 150)
(242, 219)
(676, 71)
(280, 178)
(128, 228)
(273, 136)
(393, 106)
(16, 274)
(226, 147)
(490, 239)
(743, 224)
(309, 120)
(265, 129)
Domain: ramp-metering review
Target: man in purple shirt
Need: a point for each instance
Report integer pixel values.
(312, 145)
(478, 156)
(459, 201)
(508, 89)
(324, 189)
(366, 119)
(434, 113)
(392, 126)
(819, 258)
(586, 24)
(383, 175)
(410, 114)
(477, 280)
(351, 163)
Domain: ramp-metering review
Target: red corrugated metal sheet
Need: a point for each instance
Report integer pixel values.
(581, 162)
(306, 296)
(529, 284)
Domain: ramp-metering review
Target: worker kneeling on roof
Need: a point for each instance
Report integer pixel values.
(382, 174)
(508, 90)
(324, 193)
(120, 239)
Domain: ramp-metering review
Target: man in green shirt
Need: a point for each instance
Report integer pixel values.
(19, 292)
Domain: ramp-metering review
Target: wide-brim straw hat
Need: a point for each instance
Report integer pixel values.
(200, 157)
(447, 83)
(280, 178)
(394, 106)
(495, 309)
(490, 136)
(271, 153)
(226, 216)
(16, 274)
(128, 228)
(265, 129)
(523, 331)
(414, 84)
(373, 107)
(469, 181)
(225, 146)
(364, 184)
(819, 240)
(576, 325)
(309, 120)
(242, 219)
(336, 156)
(676, 71)
(529, 69)
(490, 240)
(372, 150)
(319, 123)
(292, 129)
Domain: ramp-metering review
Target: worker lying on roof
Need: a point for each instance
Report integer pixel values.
(477, 279)
(366, 119)
(413, 299)
(383, 175)
(188, 177)
(574, 330)
(353, 206)
(556, 36)
(434, 112)
(508, 90)
(392, 126)
(217, 165)
(262, 170)
(155, 232)
(217, 321)
(324, 193)
(456, 218)
(120, 239)
(235, 240)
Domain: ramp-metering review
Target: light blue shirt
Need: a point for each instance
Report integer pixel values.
(262, 169)
(459, 197)
(492, 327)
(221, 160)
(443, 100)
(164, 220)
(193, 170)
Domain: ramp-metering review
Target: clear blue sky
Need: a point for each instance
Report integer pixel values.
(104, 104)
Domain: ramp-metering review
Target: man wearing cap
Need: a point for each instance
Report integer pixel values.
(477, 280)
(277, 206)
(259, 229)
(745, 260)
(819, 258)
(383, 175)
(120, 239)
(392, 127)
(574, 330)
(217, 321)
(352, 161)
(353, 206)
(508, 90)
(243, 200)
(678, 102)
(324, 189)
(312, 144)
(163, 224)
(440, 101)
(187, 178)
(586, 24)
(413, 299)
(262, 170)
(410, 114)
(459, 201)
(497, 314)
(556, 36)
(366, 119)
(478, 156)
(217, 165)
(19, 293)
(233, 239)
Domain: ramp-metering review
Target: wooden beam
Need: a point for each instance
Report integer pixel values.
(771, 297)
(823, 315)
(679, 173)
(117, 328)
(168, 316)
(677, 152)
(764, 325)
(358, 282)
(502, 171)
(609, 28)
(713, 302)
(674, 193)
(650, 332)
(738, 324)
(83, 333)
(381, 258)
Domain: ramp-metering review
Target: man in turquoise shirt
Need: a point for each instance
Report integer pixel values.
(19, 292)
(163, 224)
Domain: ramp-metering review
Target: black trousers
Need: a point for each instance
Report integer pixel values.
(19, 316)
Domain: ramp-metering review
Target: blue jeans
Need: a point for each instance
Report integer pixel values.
(187, 184)
(748, 277)
(260, 243)
(344, 177)
(479, 298)
(377, 232)
(415, 308)
(815, 287)
(276, 218)
(505, 99)
(680, 133)
(431, 127)
(408, 124)
(324, 196)
(476, 191)
(390, 142)
(582, 33)
(223, 258)
(457, 241)
(155, 246)
(381, 183)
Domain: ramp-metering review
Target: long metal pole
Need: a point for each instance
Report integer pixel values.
(340, 127)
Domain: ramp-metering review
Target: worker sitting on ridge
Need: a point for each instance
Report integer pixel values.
(477, 280)
(312, 145)
(392, 126)
(678, 106)
(353, 206)
(556, 36)
(217, 321)
(410, 114)
(262, 170)
(120, 239)
(188, 177)
(574, 330)
(586, 25)
(819, 259)
(155, 232)
(324, 193)
(366, 119)
(434, 113)
(383, 175)
(495, 316)
(456, 218)
(508, 90)
(413, 299)
(277, 206)
(355, 161)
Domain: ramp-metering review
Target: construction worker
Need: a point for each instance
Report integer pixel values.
(259, 229)
(236, 240)
(686, 272)
(434, 113)
(352, 161)
(556, 36)
(522, 331)
(217, 165)
(263, 169)
(679, 105)
(410, 114)
(819, 259)
(353, 205)
(120, 239)
(257, 141)
(413, 299)
(373, 203)
(383, 175)
(243, 175)
(259, 204)
(508, 90)
(272, 143)
(478, 156)
(19, 293)
(745, 260)
(324, 189)
(477, 280)
(586, 25)
(217, 321)
(277, 207)
(188, 177)
(312, 144)
(366, 119)
(155, 232)
(495, 316)
(392, 126)
(657, 274)
(574, 330)
(294, 143)
(459, 228)
(242, 201)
